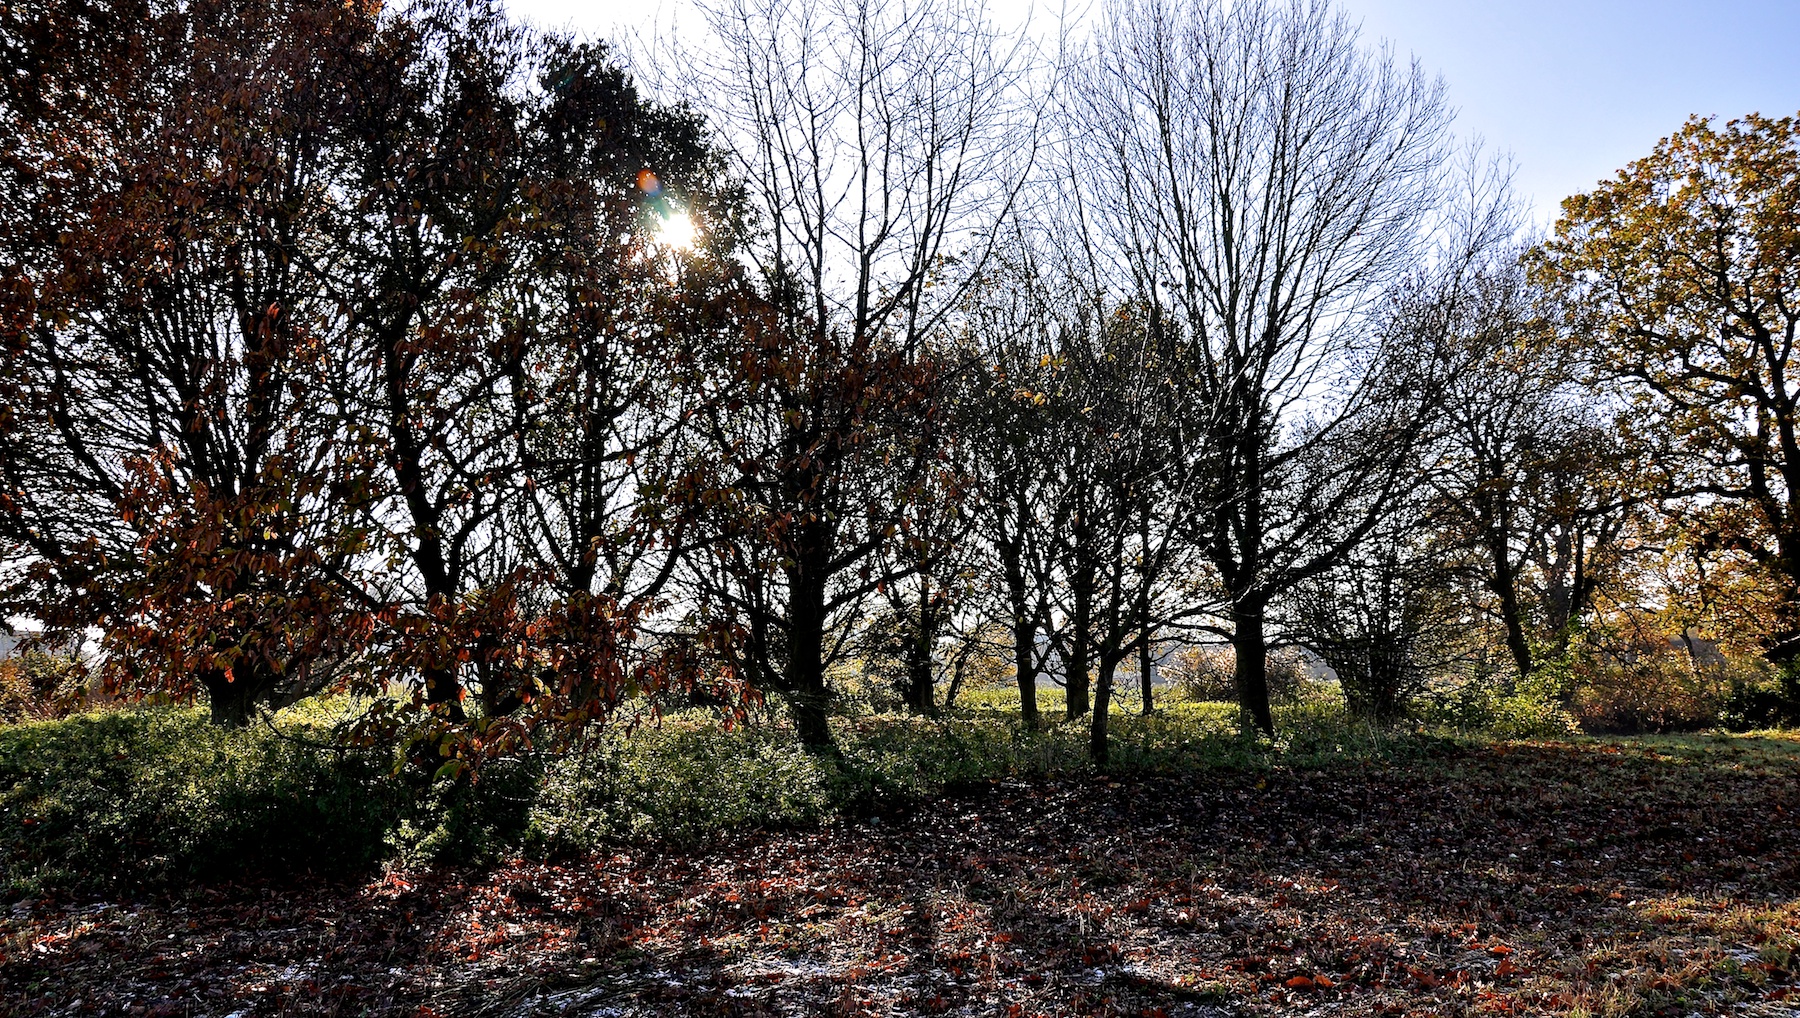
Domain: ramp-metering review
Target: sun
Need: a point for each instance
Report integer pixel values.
(678, 232)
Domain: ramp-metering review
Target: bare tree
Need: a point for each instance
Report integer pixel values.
(1008, 432)
(878, 144)
(1261, 178)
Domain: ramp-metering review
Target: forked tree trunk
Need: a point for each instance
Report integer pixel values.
(1025, 670)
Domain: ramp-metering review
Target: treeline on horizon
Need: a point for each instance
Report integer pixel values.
(351, 348)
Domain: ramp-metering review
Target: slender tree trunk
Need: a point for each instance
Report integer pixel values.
(957, 671)
(1146, 656)
(1099, 746)
(1512, 614)
(1147, 676)
(1024, 632)
(920, 692)
(1075, 664)
(1251, 651)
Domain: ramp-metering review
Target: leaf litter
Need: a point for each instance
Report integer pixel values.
(1640, 877)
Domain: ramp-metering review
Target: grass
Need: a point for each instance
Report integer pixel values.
(685, 780)
(682, 868)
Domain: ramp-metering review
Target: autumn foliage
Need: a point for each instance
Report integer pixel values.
(417, 354)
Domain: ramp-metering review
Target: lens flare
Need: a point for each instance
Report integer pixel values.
(678, 231)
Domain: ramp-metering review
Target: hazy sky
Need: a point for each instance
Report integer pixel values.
(1572, 88)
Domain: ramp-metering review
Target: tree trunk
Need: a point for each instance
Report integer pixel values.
(920, 687)
(1075, 673)
(1513, 617)
(1075, 662)
(500, 698)
(442, 688)
(1251, 650)
(1025, 669)
(1099, 748)
(1024, 633)
(1505, 586)
(811, 723)
(1147, 678)
(804, 683)
(1146, 655)
(957, 671)
(920, 692)
(1782, 646)
(232, 701)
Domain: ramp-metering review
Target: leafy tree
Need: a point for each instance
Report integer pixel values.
(333, 341)
(1537, 499)
(513, 334)
(1007, 429)
(1685, 271)
(170, 470)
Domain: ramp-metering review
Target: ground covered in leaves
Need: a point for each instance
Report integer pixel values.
(1644, 876)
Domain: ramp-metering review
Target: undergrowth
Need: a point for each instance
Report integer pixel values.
(157, 795)
(128, 797)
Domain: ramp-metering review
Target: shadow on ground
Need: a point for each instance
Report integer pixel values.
(1637, 877)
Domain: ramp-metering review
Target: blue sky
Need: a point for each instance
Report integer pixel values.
(1574, 89)
(1577, 88)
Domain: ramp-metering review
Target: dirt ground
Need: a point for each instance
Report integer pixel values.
(1643, 876)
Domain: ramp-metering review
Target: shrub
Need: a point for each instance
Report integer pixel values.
(471, 818)
(689, 780)
(1208, 673)
(37, 685)
(128, 797)
(1659, 693)
(1760, 695)
(682, 780)
(1476, 708)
